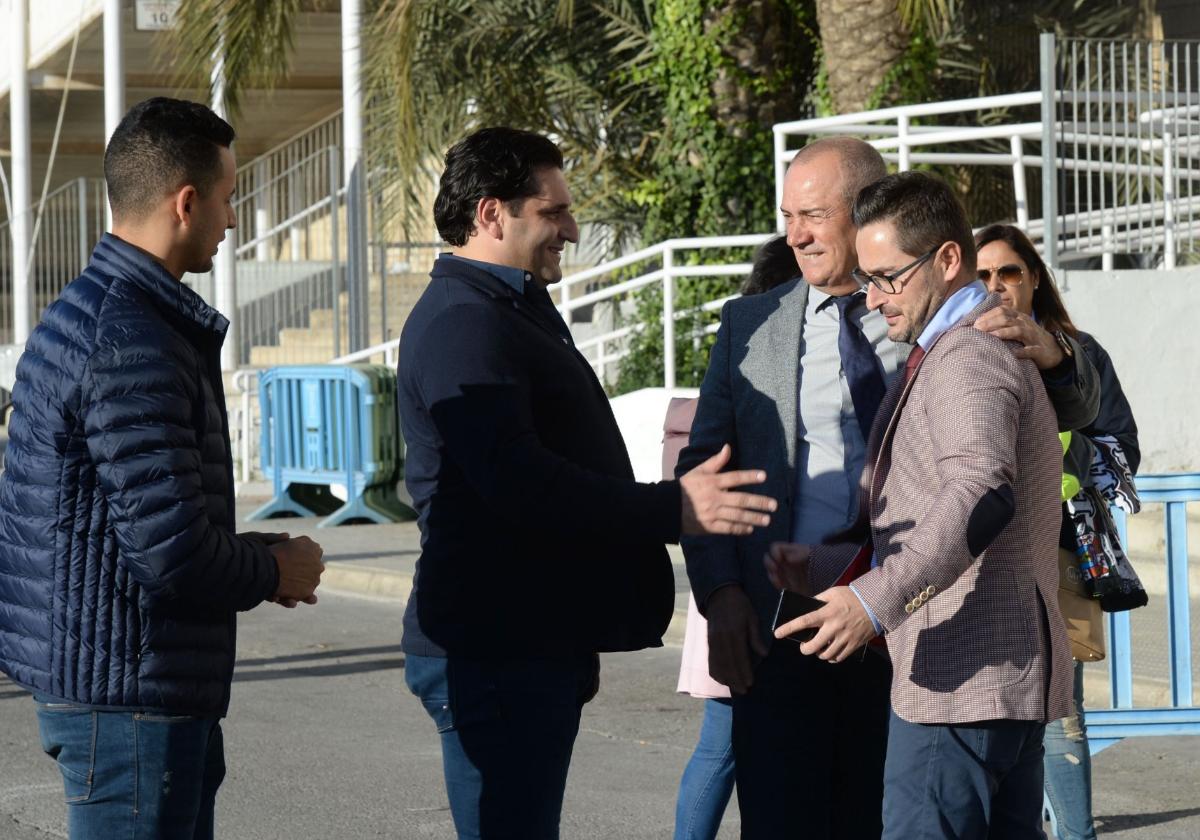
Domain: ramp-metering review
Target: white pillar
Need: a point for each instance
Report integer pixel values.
(22, 166)
(225, 265)
(114, 78)
(353, 175)
(1020, 190)
(262, 212)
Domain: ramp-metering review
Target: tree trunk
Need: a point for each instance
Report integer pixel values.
(768, 34)
(861, 40)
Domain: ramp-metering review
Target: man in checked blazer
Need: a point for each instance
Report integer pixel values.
(960, 501)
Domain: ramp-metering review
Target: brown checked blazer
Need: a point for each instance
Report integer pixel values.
(962, 488)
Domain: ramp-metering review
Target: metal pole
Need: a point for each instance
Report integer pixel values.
(1020, 190)
(334, 259)
(1049, 152)
(114, 79)
(668, 319)
(1168, 158)
(352, 171)
(225, 268)
(22, 169)
(82, 220)
(780, 173)
(902, 138)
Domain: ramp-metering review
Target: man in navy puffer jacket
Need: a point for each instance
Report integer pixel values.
(120, 572)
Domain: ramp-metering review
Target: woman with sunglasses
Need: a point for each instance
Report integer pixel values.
(1010, 266)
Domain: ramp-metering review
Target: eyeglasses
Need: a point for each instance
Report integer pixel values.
(886, 283)
(1009, 275)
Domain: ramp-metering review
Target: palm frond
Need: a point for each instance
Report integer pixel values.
(256, 37)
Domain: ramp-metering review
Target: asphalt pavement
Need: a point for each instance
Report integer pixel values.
(324, 740)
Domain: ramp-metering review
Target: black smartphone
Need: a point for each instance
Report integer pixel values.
(793, 605)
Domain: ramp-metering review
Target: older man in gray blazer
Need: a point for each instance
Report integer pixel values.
(785, 386)
(960, 503)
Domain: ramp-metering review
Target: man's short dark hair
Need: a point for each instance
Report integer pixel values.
(161, 145)
(494, 162)
(924, 211)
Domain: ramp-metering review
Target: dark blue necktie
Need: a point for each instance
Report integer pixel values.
(859, 364)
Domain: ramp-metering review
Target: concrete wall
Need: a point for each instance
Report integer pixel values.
(1147, 321)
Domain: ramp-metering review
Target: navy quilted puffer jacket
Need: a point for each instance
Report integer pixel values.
(120, 573)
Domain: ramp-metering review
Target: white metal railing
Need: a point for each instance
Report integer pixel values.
(72, 220)
(606, 286)
(292, 186)
(1128, 154)
(1128, 114)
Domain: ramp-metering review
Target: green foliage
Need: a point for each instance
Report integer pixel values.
(718, 73)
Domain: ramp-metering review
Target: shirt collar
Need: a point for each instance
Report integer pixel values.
(952, 311)
(514, 277)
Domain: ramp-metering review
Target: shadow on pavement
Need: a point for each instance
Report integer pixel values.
(335, 670)
(1127, 822)
(332, 653)
(371, 555)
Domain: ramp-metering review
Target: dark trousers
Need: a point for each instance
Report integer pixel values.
(809, 740)
(964, 782)
(508, 727)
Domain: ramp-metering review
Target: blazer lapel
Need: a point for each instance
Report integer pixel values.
(895, 400)
(784, 335)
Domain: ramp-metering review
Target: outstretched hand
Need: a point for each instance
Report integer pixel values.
(710, 505)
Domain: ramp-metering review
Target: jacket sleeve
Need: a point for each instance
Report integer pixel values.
(712, 561)
(479, 397)
(138, 418)
(973, 436)
(1115, 416)
(1075, 395)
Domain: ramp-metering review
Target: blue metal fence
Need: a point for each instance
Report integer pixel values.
(1181, 716)
(326, 425)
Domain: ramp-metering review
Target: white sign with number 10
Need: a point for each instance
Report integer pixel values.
(155, 15)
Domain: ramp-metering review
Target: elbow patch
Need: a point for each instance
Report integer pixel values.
(991, 515)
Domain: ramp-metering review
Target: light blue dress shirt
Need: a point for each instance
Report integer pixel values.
(830, 448)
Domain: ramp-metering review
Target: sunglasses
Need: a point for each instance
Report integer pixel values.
(886, 283)
(1009, 275)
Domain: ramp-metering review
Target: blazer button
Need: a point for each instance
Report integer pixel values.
(929, 590)
(908, 608)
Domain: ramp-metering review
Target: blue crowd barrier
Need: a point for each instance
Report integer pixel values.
(1181, 716)
(331, 424)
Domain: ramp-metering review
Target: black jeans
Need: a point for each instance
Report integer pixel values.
(809, 741)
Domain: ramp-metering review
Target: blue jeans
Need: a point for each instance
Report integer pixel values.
(508, 727)
(963, 781)
(133, 775)
(1068, 768)
(707, 781)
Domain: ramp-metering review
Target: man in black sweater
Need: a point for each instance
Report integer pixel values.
(538, 548)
